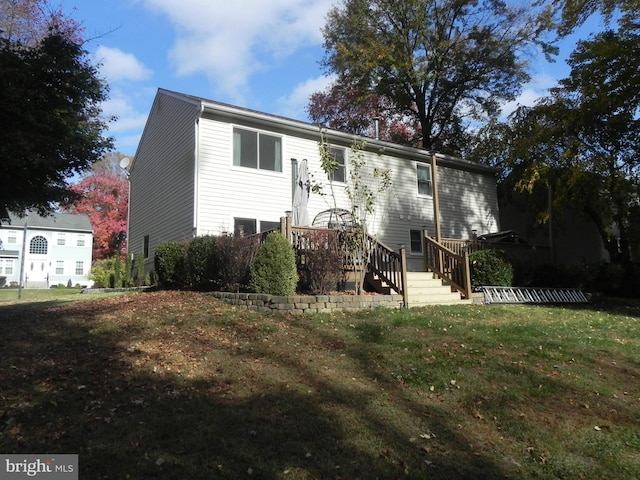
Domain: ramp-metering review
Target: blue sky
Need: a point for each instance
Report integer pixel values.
(258, 54)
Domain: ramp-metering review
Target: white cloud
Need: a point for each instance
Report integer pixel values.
(230, 41)
(537, 88)
(117, 65)
(294, 104)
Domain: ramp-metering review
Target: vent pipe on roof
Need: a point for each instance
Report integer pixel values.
(376, 128)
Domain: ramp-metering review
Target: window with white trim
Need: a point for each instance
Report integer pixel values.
(80, 240)
(340, 175)
(38, 246)
(7, 263)
(425, 185)
(59, 267)
(62, 239)
(258, 150)
(79, 267)
(12, 236)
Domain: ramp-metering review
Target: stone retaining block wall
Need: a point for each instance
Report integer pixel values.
(300, 304)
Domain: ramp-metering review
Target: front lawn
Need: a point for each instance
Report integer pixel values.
(178, 385)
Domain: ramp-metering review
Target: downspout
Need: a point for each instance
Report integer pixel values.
(196, 168)
(436, 198)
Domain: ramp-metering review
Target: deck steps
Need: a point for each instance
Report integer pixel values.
(494, 294)
(423, 288)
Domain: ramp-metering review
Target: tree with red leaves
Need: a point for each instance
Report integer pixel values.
(105, 199)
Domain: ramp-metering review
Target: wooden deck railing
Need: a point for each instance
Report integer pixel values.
(389, 266)
(447, 264)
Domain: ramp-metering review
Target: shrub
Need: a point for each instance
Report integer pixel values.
(236, 254)
(274, 270)
(103, 272)
(322, 264)
(489, 267)
(170, 265)
(203, 263)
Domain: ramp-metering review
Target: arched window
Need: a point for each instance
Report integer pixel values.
(38, 246)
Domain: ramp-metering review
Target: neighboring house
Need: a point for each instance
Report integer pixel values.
(204, 167)
(58, 249)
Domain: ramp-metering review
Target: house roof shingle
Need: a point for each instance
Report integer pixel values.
(55, 221)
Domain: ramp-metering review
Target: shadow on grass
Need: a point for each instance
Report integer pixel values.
(68, 387)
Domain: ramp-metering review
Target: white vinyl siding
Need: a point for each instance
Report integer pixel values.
(163, 177)
(184, 181)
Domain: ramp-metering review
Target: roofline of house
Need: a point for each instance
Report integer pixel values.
(313, 130)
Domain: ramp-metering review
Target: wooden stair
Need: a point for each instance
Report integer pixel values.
(425, 288)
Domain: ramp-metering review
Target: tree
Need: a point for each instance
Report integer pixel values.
(582, 141)
(443, 63)
(28, 21)
(346, 110)
(574, 13)
(104, 197)
(366, 187)
(51, 116)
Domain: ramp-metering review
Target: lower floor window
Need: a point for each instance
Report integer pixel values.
(244, 226)
(59, 267)
(416, 241)
(79, 267)
(6, 266)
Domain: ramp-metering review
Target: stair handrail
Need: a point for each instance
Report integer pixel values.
(389, 265)
(448, 265)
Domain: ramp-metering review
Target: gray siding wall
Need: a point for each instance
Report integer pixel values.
(162, 176)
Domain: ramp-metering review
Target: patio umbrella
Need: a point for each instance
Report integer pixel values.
(301, 197)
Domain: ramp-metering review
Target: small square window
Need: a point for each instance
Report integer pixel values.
(244, 226)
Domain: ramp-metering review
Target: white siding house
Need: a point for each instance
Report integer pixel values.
(204, 167)
(58, 248)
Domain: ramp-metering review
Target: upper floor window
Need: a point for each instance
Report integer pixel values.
(62, 239)
(257, 150)
(425, 186)
(12, 236)
(38, 246)
(340, 175)
(80, 240)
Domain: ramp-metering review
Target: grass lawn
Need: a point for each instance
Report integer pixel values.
(178, 385)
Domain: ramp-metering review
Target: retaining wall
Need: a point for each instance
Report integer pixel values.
(300, 304)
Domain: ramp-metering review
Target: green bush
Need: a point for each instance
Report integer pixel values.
(489, 267)
(274, 270)
(104, 272)
(170, 265)
(203, 263)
